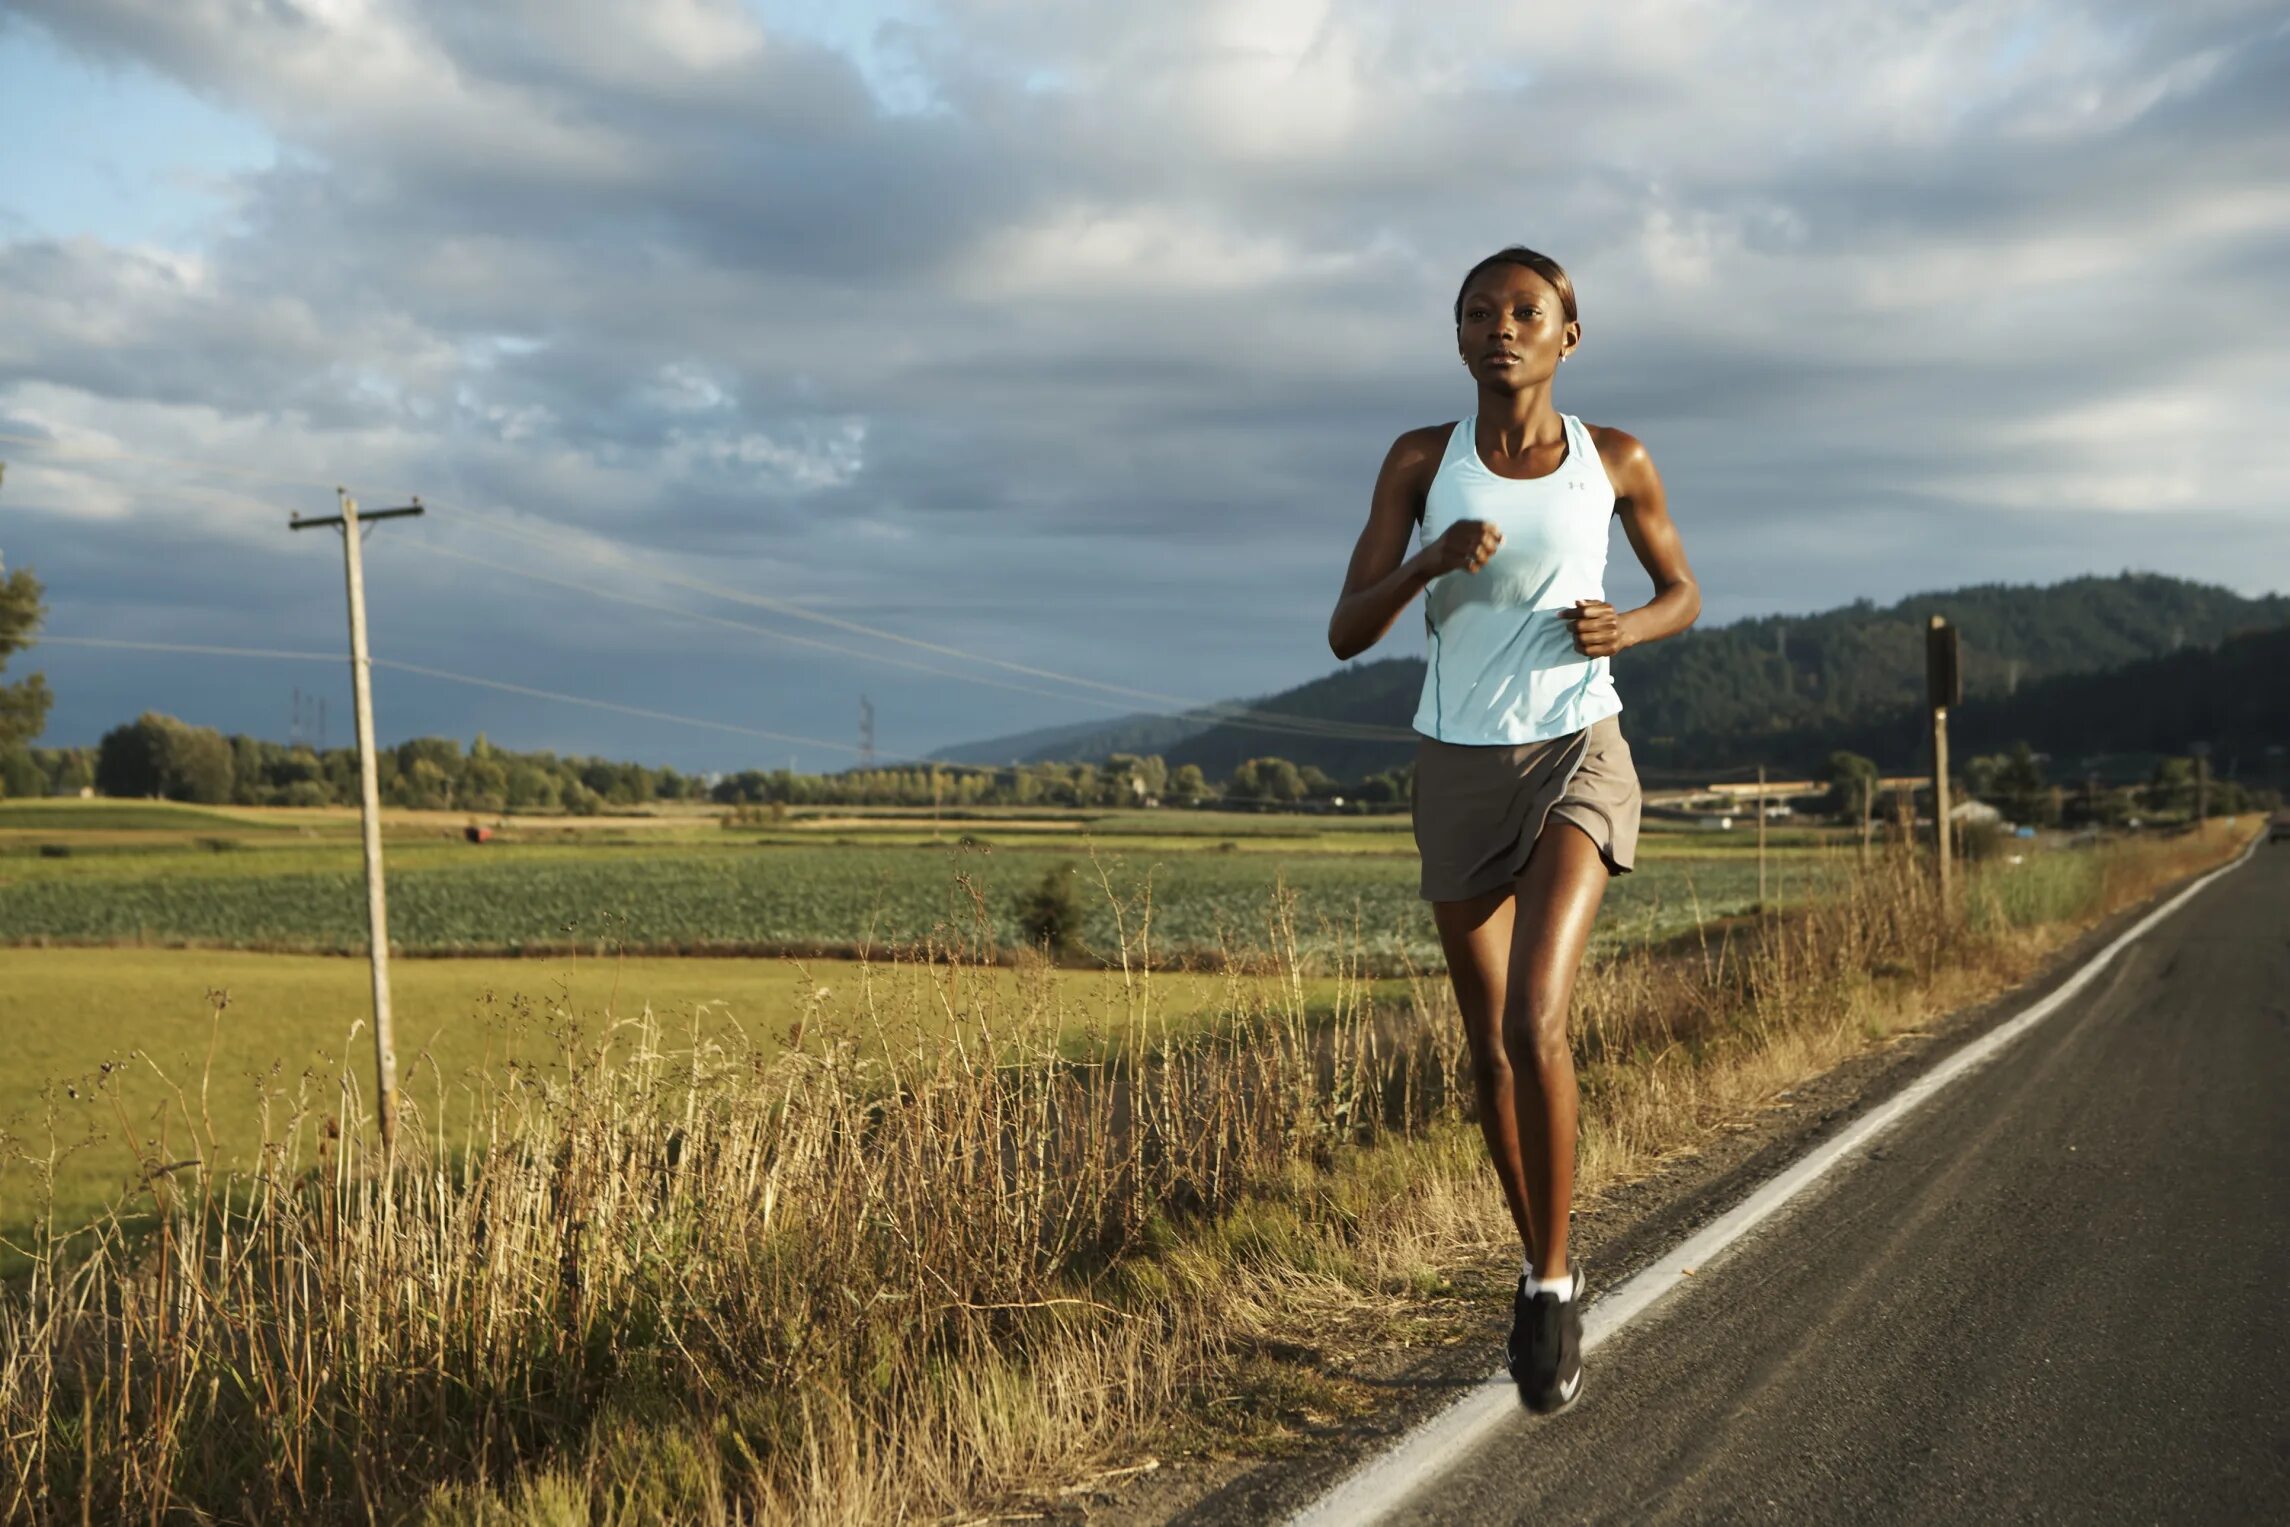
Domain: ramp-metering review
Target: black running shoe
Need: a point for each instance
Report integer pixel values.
(1545, 1349)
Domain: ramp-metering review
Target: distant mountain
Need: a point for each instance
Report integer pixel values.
(1739, 693)
(2233, 699)
(1381, 694)
(1142, 733)
(1785, 689)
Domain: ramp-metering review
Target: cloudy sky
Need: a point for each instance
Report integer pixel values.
(720, 336)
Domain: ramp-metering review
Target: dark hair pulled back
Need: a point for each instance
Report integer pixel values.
(1541, 264)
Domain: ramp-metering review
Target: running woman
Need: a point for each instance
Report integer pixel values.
(1526, 801)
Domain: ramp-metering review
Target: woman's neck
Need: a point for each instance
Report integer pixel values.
(1519, 421)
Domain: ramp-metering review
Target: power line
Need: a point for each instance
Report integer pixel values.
(683, 613)
(203, 650)
(735, 625)
(195, 649)
(1217, 710)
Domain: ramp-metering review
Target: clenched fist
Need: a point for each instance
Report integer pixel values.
(1464, 547)
(1597, 629)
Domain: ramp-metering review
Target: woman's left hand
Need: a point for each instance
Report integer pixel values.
(1597, 628)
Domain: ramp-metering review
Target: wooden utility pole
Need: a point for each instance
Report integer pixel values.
(2201, 750)
(349, 521)
(1944, 677)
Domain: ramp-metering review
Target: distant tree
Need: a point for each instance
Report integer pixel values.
(2171, 788)
(1852, 782)
(24, 704)
(1982, 773)
(2022, 792)
(1379, 789)
(1153, 774)
(21, 778)
(1268, 779)
(1051, 913)
(249, 772)
(484, 783)
(131, 760)
(199, 766)
(157, 755)
(529, 787)
(1187, 785)
(74, 771)
(422, 786)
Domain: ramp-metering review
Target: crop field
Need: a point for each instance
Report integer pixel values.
(772, 897)
(704, 889)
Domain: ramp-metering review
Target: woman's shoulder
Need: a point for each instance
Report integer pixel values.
(1431, 437)
(1421, 450)
(1623, 454)
(1615, 446)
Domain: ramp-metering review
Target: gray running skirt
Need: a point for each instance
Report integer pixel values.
(1479, 810)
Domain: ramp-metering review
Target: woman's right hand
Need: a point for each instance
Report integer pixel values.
(1465, 546)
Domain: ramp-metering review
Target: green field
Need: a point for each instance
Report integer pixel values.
(138, 880)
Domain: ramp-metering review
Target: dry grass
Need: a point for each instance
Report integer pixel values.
(912, 1263)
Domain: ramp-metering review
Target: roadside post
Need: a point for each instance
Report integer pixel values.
(351, 523)
(1944, 682)
(1762, 908)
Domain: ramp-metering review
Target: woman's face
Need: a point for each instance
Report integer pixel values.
(1514, 328)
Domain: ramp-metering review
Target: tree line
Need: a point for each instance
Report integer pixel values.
(2019, 783)
(159, 756)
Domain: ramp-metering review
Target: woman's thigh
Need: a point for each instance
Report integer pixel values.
(1555, 904)
(1476, 936)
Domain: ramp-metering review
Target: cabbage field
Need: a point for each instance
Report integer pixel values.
(681, 897)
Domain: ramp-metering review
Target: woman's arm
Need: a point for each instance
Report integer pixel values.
(1382, 577)
(1599, 629)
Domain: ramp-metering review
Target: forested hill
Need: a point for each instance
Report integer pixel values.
(2233, 698)
(1774, 689)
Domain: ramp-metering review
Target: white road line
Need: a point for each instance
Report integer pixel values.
(1423, 1454)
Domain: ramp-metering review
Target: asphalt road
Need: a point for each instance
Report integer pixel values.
(2060, 1291)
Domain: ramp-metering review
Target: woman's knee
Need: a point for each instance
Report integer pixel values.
(1535, 1037)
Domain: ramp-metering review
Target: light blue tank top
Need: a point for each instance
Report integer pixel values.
(1502, 668)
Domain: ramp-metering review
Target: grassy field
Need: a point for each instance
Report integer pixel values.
(142, 1021)
(162, 876)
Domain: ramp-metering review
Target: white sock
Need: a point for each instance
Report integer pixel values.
(1563, 1285)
